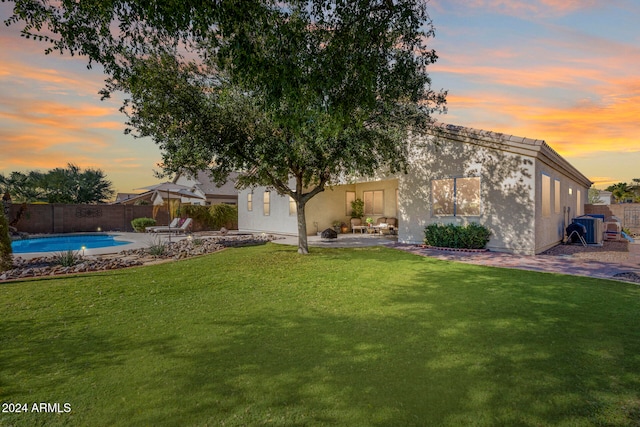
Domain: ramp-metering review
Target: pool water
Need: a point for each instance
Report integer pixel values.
(65, 243)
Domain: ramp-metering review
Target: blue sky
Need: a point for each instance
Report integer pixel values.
(562, 71)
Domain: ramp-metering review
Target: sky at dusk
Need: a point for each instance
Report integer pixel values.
(565, 71)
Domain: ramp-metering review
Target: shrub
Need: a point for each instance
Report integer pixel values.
(6, 261)
(66, 259)
(157, 249)
(224, 216)
(199, 214)
(212, 217)
(357, 208)
(471, 236)
(139, 224)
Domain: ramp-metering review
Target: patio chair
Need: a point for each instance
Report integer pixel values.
(392, 225)
(182, 229)
(153, 228)
(356, 224)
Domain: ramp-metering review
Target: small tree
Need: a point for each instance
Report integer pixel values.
(357, 208)
(594, 196)
(6, 260)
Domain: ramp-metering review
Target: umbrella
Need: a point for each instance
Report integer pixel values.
(171, 187)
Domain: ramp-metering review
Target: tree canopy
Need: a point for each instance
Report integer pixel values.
(59, 185)
(294, 95)
(622, 191)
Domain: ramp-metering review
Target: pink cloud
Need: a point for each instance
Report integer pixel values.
(520, 8)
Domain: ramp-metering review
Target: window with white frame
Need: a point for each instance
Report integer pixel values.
(556, 194)
(578, 203)
(292, 206)
(373, 202)
(546, 195)
(456, 196)
(350, 196)
(250, 202)
(397, 201)
(266, 204)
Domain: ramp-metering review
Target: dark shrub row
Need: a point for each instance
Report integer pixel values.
(471, 236)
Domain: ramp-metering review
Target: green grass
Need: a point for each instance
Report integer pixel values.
(375, 337)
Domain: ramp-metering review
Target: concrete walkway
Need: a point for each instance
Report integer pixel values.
(564, 264)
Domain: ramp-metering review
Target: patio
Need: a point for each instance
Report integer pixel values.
(347, 240)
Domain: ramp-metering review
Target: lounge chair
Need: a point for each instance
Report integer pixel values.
(153, 228)
(182, 229)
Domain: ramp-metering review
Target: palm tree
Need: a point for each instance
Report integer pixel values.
(621, 191)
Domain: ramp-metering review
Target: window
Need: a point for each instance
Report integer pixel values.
(350, 196)
(373, 202)
(556, 195)
(397, 201)
(250, 202)
(578, 203)
(456, 196)
(546, 195)
(292, 206)
(267, 203)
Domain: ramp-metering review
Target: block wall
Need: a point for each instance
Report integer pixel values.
(60, 218)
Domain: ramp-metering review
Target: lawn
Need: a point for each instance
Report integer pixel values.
(366, 337)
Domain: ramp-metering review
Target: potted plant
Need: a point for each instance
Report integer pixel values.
(336, 226)
(369, 221)
(344, 228)
(357, 208)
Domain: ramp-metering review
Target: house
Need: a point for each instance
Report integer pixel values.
(519, 188)
(208, 190)
(604, 197)
(187, 189)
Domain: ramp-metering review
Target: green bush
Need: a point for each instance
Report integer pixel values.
(6, 261)
(357, 208)
(224, 216)
(139, 224)
(212, 217)
(471, 236)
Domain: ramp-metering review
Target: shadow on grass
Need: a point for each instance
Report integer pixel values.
(486, 351)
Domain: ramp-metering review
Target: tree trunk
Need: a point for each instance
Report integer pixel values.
(303, 247)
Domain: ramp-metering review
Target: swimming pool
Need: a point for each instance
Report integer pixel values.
(76, 242)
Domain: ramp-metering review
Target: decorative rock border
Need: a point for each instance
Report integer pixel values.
(438, 248)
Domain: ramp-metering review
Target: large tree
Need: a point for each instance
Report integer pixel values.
(294, 94)
(59, 185)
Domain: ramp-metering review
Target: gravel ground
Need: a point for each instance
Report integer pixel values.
(613, 252)
(616, 252)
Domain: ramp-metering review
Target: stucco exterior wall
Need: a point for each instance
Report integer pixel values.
(506, 192)
(321, 211)
(510, 171)
(550, 226)
(327, 207)
(255, 221)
